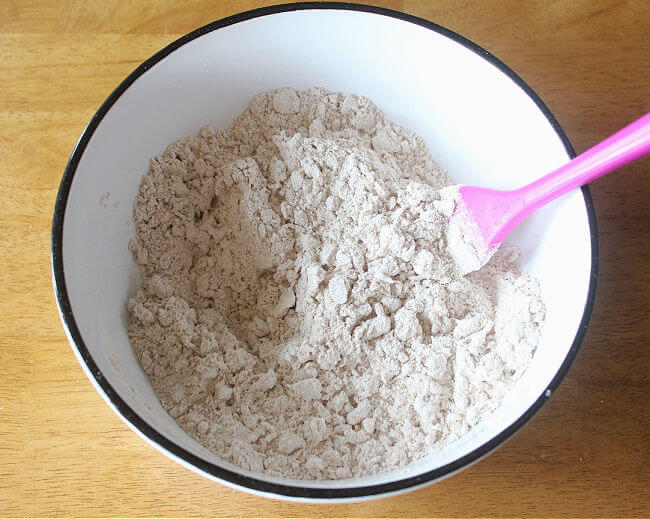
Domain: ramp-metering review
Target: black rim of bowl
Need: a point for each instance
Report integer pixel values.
(258, 485)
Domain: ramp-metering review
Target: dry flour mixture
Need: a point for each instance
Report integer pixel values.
(299, 312)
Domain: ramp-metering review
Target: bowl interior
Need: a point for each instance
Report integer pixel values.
(478, 123)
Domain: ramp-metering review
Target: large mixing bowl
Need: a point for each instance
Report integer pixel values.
(481, 122)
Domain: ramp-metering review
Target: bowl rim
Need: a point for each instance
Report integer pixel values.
(232, 478)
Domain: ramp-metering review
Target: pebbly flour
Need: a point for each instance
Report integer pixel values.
(299, 313)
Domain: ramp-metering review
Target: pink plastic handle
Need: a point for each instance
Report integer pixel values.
(625, 146)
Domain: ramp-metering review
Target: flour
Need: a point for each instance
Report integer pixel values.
(299, 313)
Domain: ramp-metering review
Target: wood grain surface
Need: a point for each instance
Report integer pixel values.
(64, 452)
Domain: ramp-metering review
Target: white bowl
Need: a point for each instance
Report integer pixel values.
(481, 122)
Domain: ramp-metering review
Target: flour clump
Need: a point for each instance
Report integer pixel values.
(300, 314)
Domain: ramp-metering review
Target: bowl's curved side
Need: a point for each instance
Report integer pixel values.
(233, 478)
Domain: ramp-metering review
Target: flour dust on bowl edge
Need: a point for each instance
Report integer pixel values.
(480, 121)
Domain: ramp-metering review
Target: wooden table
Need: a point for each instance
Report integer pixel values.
(64, 452)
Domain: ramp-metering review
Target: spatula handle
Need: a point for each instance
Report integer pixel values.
(627, 145)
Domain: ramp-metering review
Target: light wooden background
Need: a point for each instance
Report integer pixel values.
(64, 452)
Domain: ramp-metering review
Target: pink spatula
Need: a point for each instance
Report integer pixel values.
(483, 217)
